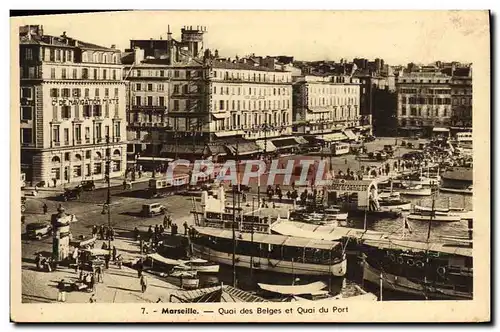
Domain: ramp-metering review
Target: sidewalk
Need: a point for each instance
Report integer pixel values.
(99, 184)
(119, 285)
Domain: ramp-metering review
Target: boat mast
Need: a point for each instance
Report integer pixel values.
(251, 239)
(234, 217)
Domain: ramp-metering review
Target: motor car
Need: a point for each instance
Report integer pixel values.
(37, 230)
(153, 209)
(23, 204)
(88, 185)
(71, 194)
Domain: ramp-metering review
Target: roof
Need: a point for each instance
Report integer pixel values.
(311, 288)
(241, 66)
(224, 293)
(61, 41)
(446, 248)
(274, 239)
(458, 173)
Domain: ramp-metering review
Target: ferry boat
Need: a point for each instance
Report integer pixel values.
(270, 252)
(431, 271)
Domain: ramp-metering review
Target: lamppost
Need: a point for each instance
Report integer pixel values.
(108, 180)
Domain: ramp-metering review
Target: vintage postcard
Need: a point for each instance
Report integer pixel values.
(251, 166)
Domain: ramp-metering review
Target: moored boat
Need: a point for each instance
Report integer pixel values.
(199, 265)
(436, 216)
(270, 252)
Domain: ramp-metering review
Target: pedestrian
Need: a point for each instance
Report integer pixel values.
(144, 283)
(101, 232)
(162, 229)
(119, 261)
(125, 184)
(92, 299)
(114, 253)
(91, 281)
(157, 230)
(54, 180)
(45, 208)
(185, 228)
(136, 234)
(38, 260)
(165, 221)
(104, 246)
(112, 233)
(139, 269)
(61, 295)
(94, 231)
(107, 258)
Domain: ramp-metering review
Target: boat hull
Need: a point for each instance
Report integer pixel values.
(437, 218)
(416, 192)
(200, 269)
(271, 265)
(456, 191)
(391, 208)
(404, 285)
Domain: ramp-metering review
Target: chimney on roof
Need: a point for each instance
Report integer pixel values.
(64, 34)
(113, 46)
(169, 34)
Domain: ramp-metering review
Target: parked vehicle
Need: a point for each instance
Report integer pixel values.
(71, 194)
(23, 204)
(153, 209)
(37, 230)
(87, 185)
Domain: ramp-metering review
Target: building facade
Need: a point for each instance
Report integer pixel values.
(325, 104)
(461, 98)
(423, 103)
(184, 103)
(72, 98)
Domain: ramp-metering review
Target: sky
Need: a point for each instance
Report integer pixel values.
(398, 37)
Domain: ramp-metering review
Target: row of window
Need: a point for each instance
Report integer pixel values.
(461, 92)
(238, 105)
(57, 73)
(150, 101)
(426, 101)
(261, 91)
(238, 121)
(418, 112)
(462, 101)
(149, 87)
(251, 76)
(88, 111)
(332, 90)
(77, 134)
(77, 170)
(426, 91)
(77, 92)
(333, 101)
(336, 114)
(414, 123)
(421, 81)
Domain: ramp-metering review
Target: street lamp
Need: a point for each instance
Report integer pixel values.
(108, 180)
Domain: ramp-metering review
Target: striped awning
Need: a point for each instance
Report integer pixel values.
(244, 148)
(267, 147)
(301, 140)
(350, 134)
(334, 137)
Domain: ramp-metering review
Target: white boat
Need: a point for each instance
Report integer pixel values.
(467, 191)
(199, 265)
(417, 190)
(189, 279)
(273, 253)
(438, 216)
(446, 210)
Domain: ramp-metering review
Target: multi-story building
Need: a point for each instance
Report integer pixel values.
(72, 98)
(192, 104)
(423, 102)
(326, 104)
(461, 98)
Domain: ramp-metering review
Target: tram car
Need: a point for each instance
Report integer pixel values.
(168, 185)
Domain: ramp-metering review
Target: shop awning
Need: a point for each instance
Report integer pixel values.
(350, 134)
(267, 147)
(220, 115)
(244, 148)
(229, 133)
(217, 149)
(440, 130)
(283, 143)
(334, 137)
(183, 149)
(301, 140)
